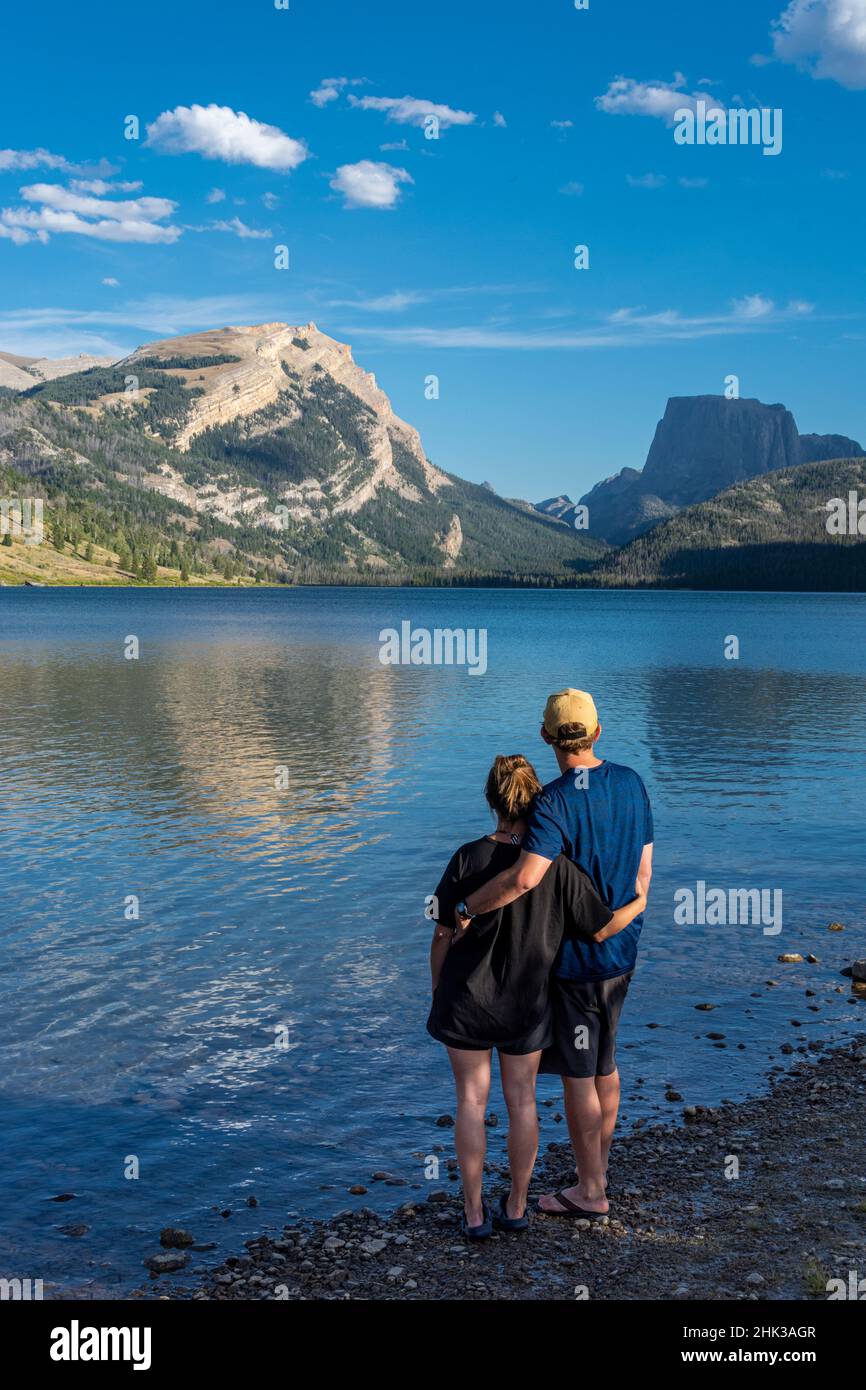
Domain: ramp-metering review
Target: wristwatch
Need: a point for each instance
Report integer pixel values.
(464, 910)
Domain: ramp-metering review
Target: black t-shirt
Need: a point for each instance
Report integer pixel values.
(494, 986)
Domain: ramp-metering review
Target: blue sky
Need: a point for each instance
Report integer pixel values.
(453, 256)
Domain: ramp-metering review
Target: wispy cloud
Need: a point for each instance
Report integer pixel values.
(60, 331)
(218, 132)
(330, 88)
(624, 328)
(235, 227)
(25, 160)
(413, 110)
(646, 180)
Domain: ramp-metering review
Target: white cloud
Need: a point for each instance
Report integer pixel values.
(216, 195)
(54, 195)
(32, 159)
(646, 180)
(103, 186)
(572, 189)
(270, 201)
(236, 227)
(562, 125)
(413, 110)
(330, 88)
(693, 183)
(827, 37)
(60, 209)
(627, 97)
(31, 225)
(111, 282)
(383, 303)
(369, 184)
(499, 119)
(394, 145)
(753, 306)
(218, 132)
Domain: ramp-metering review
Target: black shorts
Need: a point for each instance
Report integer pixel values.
(585, 1018)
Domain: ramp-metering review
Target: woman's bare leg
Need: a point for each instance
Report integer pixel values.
(472, 1080)
(518, 1086)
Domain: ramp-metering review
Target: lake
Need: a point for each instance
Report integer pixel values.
(214, 858)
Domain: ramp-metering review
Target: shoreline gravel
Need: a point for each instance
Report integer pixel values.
(679, 1228)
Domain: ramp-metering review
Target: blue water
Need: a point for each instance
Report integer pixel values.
(301, 907)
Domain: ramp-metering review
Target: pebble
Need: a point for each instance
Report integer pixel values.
(358, 1190)
(445, 1121)
(373, 1247)
(790, 958)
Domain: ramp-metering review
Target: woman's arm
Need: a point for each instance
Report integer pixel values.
(622, 917)
(439, 948)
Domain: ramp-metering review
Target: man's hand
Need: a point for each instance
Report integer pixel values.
(461, 923)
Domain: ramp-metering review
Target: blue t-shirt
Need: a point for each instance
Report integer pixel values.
(603, 826)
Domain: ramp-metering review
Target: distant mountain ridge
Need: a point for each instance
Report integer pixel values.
(267, 447)
(702, 445)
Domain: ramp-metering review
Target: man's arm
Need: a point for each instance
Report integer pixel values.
(526, 873)
(645, 871)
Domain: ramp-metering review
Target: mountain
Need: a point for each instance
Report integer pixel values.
(264, 451)
(769, 532)
(816, 448)
(18, 373)
(702, 445)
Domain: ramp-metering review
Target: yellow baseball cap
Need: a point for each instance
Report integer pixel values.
(570, 707)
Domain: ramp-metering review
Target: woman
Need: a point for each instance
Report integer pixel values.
(490, 988)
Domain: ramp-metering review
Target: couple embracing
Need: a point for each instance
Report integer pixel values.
(534, 947)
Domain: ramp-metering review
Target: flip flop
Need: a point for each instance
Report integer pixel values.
(504, 1222)
(481, 1232)
(572, 1210)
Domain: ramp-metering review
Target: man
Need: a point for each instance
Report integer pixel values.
(598, 814)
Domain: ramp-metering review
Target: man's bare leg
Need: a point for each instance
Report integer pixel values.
(608, 1090)
(585, 1118)
(472, 1080)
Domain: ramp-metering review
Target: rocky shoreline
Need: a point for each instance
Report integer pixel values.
(760, 1199)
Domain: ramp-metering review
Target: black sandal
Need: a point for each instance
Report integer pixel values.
(571, 1209)
(481, 1232)
(504, 1222)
